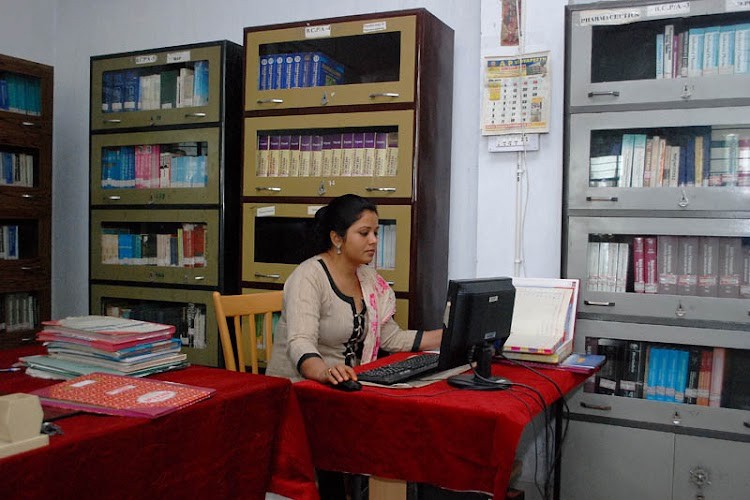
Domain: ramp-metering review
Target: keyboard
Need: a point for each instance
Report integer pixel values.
(401, 371)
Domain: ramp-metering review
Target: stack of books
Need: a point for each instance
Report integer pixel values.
(119, 346)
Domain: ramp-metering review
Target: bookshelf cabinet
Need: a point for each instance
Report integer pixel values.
(165, 186)
(25, 198)
(369, 113)
(657, 228)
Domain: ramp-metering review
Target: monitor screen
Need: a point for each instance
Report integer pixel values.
(478, 315)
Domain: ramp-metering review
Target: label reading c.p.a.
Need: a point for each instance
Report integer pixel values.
(318, 31)
(145, 59)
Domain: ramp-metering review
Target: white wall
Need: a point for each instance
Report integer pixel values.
(66, 33)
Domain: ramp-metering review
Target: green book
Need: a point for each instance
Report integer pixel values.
(169, 89)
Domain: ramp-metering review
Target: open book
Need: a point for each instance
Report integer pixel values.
(543, 315)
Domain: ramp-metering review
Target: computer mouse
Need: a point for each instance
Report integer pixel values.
(348, 386)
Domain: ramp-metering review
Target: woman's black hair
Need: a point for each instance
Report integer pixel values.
(337, 216)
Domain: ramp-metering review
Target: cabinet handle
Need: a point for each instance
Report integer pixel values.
(684, 200)
(113, 197)
(598, 303)
(589, 406)
(30, 268)
(268, 188)
(274, 100)
(615, 93)
(195, 115)
(601, 198)
(113, 120)
(381, 190)
(680, 312)
(391, 283)
(28, 124)
(385, 94)
(746, 424)
(269, 276)
(199, 278)
(27, 196)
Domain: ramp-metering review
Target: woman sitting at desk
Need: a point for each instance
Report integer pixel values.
(338, 311)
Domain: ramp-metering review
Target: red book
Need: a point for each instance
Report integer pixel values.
(639, 275)
(649, 250)
(122, 395)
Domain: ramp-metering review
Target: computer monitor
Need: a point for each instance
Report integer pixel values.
(478, 315)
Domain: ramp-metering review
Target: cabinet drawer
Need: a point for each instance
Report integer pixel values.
(161, 168)
(274, 237)
(621, 161)
(372, 61)
(190, 311)
(615, 66)
(692, 269)
(314, 155)
(141, 89)
(155, 246)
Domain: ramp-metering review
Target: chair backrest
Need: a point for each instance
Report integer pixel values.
(242, 311)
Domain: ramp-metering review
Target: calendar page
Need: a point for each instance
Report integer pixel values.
(516, 94)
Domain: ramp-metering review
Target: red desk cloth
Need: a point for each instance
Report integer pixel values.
(245, 440)
(457, 439)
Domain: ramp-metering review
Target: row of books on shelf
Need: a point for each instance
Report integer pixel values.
(151, 166)
(385, 253)
(86, 344)
(18, 311)
(298, 70)
(16, 169)
(349, 154)
(145, 89)
(706, 266)
(20, 94)
(696, 157)
(186, 247)
(703, 376)
(188, 319)
(712, 50)
(9, 242)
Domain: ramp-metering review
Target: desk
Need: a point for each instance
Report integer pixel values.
(245, 440)
(457, 439)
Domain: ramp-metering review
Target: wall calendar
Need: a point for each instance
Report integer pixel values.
(516, 94)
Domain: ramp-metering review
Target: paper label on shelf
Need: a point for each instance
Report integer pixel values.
(147, 59)
(736, 5)
(668, 9)
(601, 17)
(313, 209)
(178, 57)
(370, 27)
(318, 31)
(265, 212)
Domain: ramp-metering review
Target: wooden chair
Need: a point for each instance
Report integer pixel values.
(242, 310)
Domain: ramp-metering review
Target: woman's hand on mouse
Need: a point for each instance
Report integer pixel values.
(338, 373)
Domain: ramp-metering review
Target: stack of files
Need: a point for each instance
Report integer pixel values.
(119, 346)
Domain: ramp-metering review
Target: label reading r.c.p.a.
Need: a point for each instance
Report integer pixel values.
(318, 31)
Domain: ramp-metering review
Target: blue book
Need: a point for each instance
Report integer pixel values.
(742, 57)
(131, 90)
(262, 72)
(278, 72)
(656, 374)
(695, 51)
(107, 82)
(660, 55)
(671, 374)
(271, 77)
(582, 363)
(124, 248)
(287, 70)
(200, 83)
(681, 376)
(3, 94)
(118, 91)
(296, 71)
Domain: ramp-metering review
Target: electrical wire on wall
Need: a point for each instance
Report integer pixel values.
(522, 196)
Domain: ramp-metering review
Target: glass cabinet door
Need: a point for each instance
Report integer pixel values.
(369, 154)
(368, 61)
(165, 246)
(679, 53)
(156, 88)
(26, 94)
(274, 236)
(167, 167)
(680, 271)
(676, 159)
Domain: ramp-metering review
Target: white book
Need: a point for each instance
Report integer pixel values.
(742, 48)
(604, 266)
(639, 160)
(726, 50)
(628, 143)
(592, 262)
(668, 50)
(621, 277)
